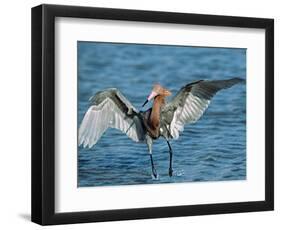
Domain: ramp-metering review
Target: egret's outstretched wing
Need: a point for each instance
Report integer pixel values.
(109, 109)
(190, 103)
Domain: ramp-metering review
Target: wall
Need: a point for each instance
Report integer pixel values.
(15, 113)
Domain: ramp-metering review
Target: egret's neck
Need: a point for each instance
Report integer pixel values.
(156, 110)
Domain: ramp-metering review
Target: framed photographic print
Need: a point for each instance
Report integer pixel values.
(142, 114)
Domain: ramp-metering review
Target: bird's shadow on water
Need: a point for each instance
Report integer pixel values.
(25, 216)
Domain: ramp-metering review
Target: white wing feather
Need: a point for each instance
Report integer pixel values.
(192, 110)
(106, 115)
(196, 102)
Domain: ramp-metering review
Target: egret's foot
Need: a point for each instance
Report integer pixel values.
(170, 172)
(154, 173)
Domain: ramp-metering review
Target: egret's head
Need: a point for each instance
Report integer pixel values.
(157, 90)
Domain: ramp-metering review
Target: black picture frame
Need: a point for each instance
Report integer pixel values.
(43, 114)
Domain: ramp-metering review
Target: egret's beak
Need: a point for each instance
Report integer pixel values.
(151, 96)
(145, 103)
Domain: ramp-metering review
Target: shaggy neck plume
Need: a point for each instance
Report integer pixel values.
(155, 113)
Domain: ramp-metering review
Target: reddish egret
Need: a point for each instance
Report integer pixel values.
(111, 109)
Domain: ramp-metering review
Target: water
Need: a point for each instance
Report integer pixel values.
(213, 149)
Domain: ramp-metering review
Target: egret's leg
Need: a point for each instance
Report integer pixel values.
(171, 159)
(149, 145)
(154, 172)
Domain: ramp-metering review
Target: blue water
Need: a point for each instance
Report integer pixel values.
(213, 149)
